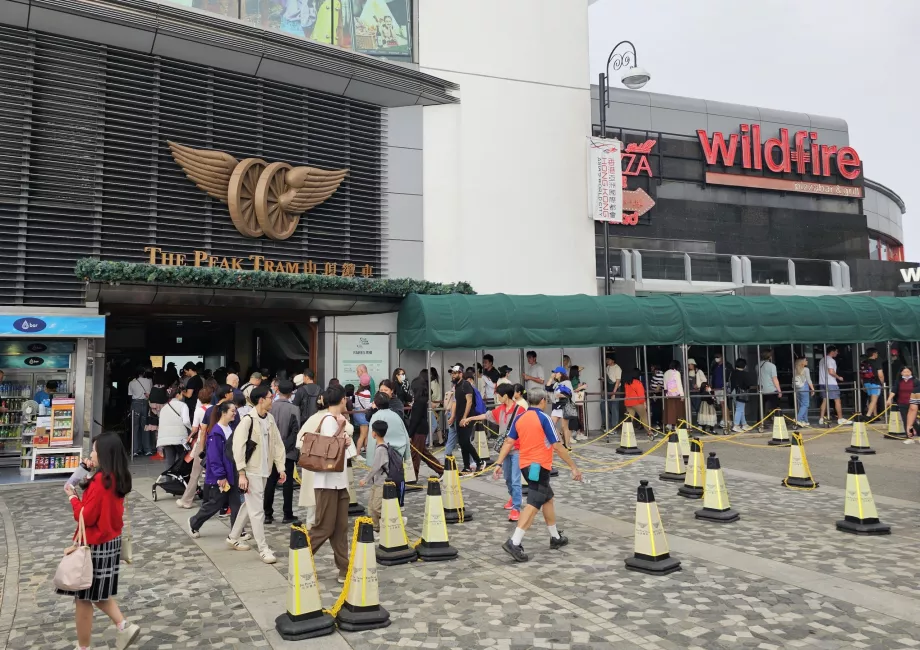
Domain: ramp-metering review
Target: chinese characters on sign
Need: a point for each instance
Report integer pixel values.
(255, 263)
(609, 170)
(353, 350)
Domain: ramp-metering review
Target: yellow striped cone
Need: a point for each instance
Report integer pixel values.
(354, 508)
(674, 462)
(361, 609)
(693, 481)
(799, 473)
(394, 545)
(304, 618)
(628, 440)
(895, 425)
(716, 506)
(859, 440)
(859, 513)
(651, 552)
(434, 544)
(452, 494)
(481, 443)
(780, 433)
(684, 440)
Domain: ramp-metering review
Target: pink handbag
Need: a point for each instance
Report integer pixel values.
(75, 572)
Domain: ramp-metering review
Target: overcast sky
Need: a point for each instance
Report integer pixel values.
(852, 59)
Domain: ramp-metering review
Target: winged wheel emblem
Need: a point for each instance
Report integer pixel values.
(263, 198)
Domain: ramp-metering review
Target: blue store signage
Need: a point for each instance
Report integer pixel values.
(51, 326)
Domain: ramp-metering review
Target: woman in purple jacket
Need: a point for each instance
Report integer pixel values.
(218, 469)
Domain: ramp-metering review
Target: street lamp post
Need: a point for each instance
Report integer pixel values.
(633, 77)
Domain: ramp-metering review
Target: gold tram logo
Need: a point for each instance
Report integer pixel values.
(263, 198)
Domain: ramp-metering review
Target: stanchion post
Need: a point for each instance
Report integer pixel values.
(724, 391)
(889, 380)
(827, 392)
(688, 410)
(759, 391)
(428, 415)
(857, 359)
(795, 392)
(648, 387)
(606, 417)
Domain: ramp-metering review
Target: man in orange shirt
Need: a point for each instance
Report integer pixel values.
(537, 438)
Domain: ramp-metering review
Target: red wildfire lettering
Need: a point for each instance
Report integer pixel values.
(777, 154)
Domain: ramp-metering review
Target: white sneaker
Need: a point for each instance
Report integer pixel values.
(908, 441)
(737, 428)
(246, 536)
(181, 504)
(127, 636)
(842, 421)
(820, 422)
(804, 424)
(268, 557)
(747, 428)
(194, 533)
(237, 545)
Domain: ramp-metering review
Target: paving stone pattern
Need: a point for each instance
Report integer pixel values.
(177, 596)
(577, 598)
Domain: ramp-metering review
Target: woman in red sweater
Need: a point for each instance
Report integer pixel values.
(103, 507)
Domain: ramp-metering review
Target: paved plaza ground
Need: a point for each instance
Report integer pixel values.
(781, 577)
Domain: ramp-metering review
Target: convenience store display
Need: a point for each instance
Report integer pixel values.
(13, 394)
(54, 461)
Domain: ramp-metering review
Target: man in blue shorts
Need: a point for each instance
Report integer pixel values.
(534, 432)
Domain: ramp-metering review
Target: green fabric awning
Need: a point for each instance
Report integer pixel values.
(477, 322)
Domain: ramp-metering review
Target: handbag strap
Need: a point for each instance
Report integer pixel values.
(81, 531)
(338, 431)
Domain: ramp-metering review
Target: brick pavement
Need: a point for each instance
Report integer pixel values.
(580, 597)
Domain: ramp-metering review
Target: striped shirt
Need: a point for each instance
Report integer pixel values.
(657, 382)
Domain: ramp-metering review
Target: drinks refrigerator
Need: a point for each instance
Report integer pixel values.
(16, 431)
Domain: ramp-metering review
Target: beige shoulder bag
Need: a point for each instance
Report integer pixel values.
(75, 572)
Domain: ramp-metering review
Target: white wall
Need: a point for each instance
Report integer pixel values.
(505, 170)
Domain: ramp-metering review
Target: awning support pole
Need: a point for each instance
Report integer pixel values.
(648, 383)
(428, 375)
(759, 391)
(688, 411)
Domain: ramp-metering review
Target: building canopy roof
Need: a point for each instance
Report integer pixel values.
(477, 322)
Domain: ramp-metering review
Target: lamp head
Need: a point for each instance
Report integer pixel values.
(634, 78)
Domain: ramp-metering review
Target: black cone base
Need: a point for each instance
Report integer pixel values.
(878, 528)
(859, 450)
(671, 476)
(435, 553)
(773, 442)
(690, 492)
(718, 516)
(310, 628)
(453, 516)
(896, 436)
(394, 557)
(653, 567)
(686, 460)
(554, 472)
(355, 509)
(629, 451)
(359, 621)
(799, 482)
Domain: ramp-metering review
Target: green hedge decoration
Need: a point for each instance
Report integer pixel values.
(93, 270)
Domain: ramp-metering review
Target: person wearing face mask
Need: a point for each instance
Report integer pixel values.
(403, 388)
(906, 393)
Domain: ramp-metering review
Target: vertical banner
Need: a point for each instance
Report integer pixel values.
(605, 180)
(371, 350)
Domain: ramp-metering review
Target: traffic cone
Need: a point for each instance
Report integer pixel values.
(361, 609)
(454, 511)
(716, 506)
(674, 463)
(481, 443)
(799, 474)
(394, 545)
(684, 440)
(780, 433)
(304, 618)
(859, 513)
(434, 545)
(628, 440)
(651, 553)
(895, 425)
(693, 480)
(859, 440)
(354, 508)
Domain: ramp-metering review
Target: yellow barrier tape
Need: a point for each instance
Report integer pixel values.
(805, 466)
(334, 610)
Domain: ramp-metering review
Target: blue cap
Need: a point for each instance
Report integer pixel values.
(559, 369)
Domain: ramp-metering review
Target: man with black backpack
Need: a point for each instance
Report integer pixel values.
(287, 418)
(306, 395)
(387, 466)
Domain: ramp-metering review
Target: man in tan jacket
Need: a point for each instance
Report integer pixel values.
(267, 450)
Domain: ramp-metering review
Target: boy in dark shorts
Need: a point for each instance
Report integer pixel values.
(538, 440)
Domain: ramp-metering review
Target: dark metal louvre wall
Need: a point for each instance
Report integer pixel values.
(85, 171)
